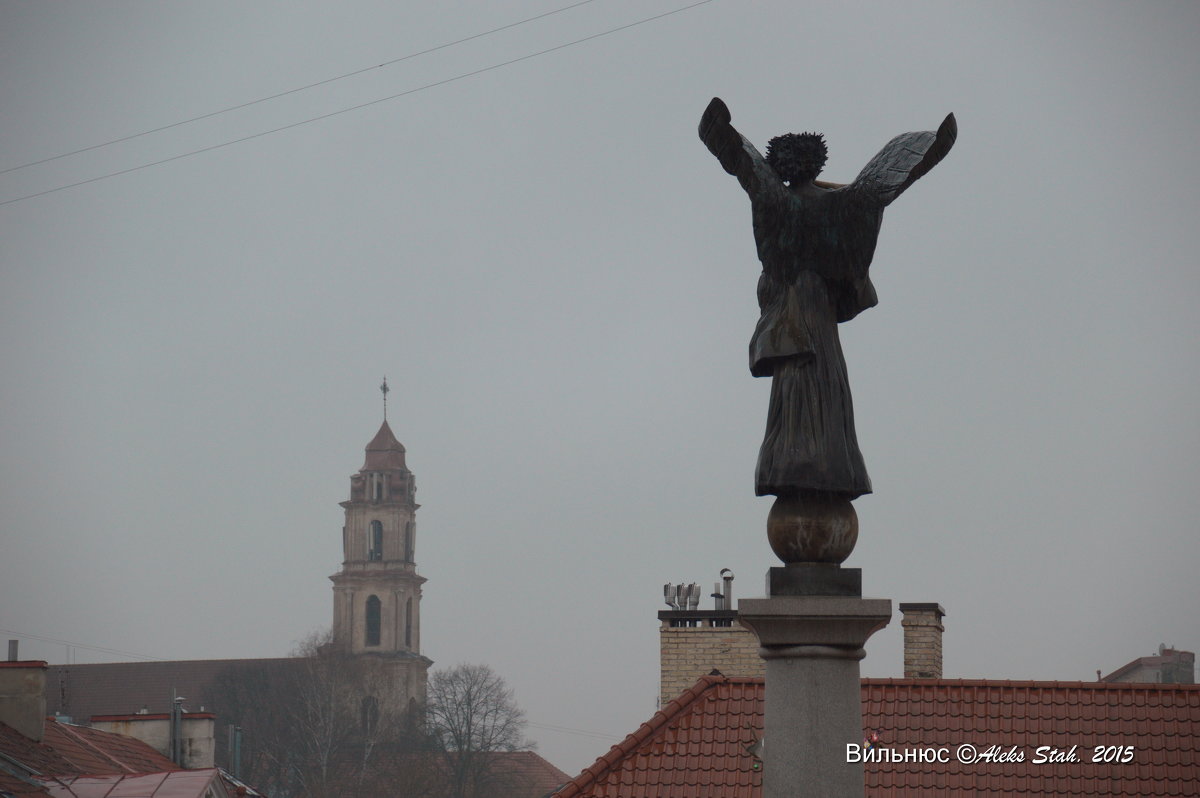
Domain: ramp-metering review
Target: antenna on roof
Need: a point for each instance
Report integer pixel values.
(384, 390)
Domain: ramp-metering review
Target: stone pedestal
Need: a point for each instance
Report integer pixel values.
(812, 646)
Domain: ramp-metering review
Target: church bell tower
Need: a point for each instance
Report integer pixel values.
(377, 592)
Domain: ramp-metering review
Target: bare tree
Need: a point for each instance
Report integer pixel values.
(473, 715)
(255, 699)
(326, 724)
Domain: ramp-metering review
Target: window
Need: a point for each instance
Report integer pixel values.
(375, 543)
(409, 528)
(374, 609)
(408, 624)
(369, 714)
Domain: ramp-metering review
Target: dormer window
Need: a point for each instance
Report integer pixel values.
(375, 542)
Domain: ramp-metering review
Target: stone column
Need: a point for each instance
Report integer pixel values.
(812, 646)
(811, 631)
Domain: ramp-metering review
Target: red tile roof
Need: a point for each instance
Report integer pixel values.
(697, 745)
(528, 771)
(504, 774)
(11, 785)
(94, 751)
(177, 784)
(67, 751)
(694, 747)
(36, 756)
(74, 750)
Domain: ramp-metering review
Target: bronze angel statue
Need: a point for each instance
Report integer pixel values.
(815, 241)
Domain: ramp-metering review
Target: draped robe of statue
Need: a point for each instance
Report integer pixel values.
(815, 241)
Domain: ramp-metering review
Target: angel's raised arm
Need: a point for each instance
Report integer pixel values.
(737, 155)
(903, 161)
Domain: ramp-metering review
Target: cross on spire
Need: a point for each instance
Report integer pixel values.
(384, 390)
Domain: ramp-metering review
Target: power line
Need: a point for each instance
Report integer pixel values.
(293, 91)
(359, 106)
(79, 645)
(580, 732)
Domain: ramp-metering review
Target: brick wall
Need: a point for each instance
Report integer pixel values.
(922, 640)
(688, 652)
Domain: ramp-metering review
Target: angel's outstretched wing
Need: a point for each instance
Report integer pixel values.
(737, 155)
(903, 161)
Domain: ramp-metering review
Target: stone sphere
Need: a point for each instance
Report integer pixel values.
(812, 529)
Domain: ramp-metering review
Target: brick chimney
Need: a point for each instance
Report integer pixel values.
(694, 642)
(23, 696)
(922, 640)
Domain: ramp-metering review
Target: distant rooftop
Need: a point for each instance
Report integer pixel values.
(705, 742)
(1170, 666)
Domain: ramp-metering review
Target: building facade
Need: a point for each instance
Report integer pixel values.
(376, 622)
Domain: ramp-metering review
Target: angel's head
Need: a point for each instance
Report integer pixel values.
(797, 157)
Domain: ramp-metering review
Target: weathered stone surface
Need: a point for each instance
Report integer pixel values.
(816, 529)
(814, 579)
(812, 646)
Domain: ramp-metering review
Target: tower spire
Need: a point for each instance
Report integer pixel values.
(384, 390)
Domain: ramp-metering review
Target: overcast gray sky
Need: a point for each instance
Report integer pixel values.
(559, 282)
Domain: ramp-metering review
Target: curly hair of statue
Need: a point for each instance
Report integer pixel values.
(797, 157)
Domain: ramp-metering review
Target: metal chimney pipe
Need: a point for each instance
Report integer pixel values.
(235, 750)
(176, 728)
(727, 578)
(173, 729)
(693, 601)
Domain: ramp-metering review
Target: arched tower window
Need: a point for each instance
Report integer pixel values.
(377, 487)
(374, 610)
(369, 714)
(408, 541)
(408, 624)
(375, 543)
